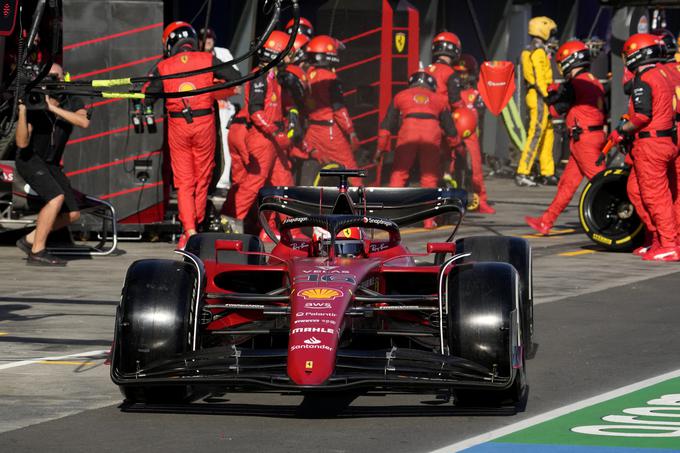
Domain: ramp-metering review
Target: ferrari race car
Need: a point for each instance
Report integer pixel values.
(350, 308)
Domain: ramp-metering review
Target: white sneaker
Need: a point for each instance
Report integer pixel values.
(524, 181)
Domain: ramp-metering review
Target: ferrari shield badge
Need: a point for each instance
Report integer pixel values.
(496, 84)
(400, 42)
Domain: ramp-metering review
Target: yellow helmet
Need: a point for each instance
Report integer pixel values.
(542, 27)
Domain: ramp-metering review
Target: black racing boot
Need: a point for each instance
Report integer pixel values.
(44, 258)
(551, 180)
(24, 245)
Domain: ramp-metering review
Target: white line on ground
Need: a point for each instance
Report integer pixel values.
(47, 359)
(560, 411)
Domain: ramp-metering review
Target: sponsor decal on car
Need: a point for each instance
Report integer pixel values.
(318, 305)
(325, 278)
(309, 364)
(322, 347)
(379, 247)
(312, 330)
(316, 314)
(320, 294)
(312, 340)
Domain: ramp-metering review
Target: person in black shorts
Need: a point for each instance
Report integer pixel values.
(41, 137)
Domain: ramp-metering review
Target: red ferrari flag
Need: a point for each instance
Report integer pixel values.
(496, 84)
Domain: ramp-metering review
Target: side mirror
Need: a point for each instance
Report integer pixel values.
(441, 247)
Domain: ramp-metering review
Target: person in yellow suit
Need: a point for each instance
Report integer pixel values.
(538, 75)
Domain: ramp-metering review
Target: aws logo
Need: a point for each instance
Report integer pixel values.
(320, 293)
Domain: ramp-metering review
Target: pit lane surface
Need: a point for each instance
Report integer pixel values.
(603, 321)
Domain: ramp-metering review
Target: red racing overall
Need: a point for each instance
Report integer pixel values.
(654, 150)
(470, 99)
(329, 123)
(266, 142)
(191, 135)
(425, 117)
(448, 83)
(582, 98)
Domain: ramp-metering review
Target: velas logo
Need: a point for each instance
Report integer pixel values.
(320, 293)
(312, 340)
(186, 86)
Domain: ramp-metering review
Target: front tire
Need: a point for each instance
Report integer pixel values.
(514, 251)
(483, 327)
(154, 323)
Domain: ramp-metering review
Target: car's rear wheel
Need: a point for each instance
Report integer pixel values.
(203, 246)
(154, 323)
(483, 327)
(514, 251)
(606, 213)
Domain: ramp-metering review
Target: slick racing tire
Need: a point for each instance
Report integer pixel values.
(203, 246)
(488, 291)
(154, 323)
(606, 213)
(514, 251)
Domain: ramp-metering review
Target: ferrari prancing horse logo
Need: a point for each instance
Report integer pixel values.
(400, 42)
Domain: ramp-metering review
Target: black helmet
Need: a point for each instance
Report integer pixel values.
(424, 79)
(670, 44)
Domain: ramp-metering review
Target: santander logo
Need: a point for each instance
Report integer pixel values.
(312, 340)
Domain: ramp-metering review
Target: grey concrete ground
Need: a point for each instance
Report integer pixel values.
(603, 320)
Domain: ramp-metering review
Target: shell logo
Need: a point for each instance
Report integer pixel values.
(467, 133)
(421, 99)
(330, 47)
(565, 52)
(186, 86)
(312, 74)
(273, 98)
(633, 46)
(431, 68)
(271, 43)
(456, 115)
(320, 293)
(184, 59)
(471, 97)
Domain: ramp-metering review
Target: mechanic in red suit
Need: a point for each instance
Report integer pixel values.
(330, 129)
(446, 51)
(651, 122)
(191, 120)
(295, 85)
(419, 116)
(581, 97)
(466, 71)
(267, 141)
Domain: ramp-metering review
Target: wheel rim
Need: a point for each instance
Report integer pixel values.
(610, 213)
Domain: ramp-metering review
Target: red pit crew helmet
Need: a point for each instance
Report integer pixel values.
(323, 51)
(275, 44)
(447, 44)
(465, 121)
(572, 54)
(177, 35)
(641, 49)
(306, 28)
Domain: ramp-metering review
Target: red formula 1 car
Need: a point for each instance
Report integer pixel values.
(349, 309)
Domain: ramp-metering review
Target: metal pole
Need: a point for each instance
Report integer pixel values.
(597, 19)
(207, 24)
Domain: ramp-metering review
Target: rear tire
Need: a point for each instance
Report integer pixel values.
(203, 246)
(606, 213)
(490, 292)
(154, 323)
(514, 251)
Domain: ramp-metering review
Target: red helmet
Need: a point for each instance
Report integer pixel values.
(446, 44)
(669, 42)
(177, 35)
(466, 121)
(422, 78)
(323, 50)
(299, 53)
(275, 44)
(306, 28)
(572, 54)
(642, 48)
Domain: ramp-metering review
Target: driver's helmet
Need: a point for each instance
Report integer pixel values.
(348, 242)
